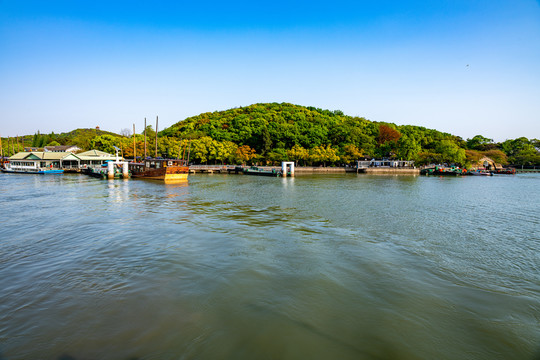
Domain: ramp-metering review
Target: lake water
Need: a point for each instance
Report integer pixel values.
(239, 267)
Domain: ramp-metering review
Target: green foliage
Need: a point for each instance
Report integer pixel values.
(407, 147)
(521, 151)
(351, 153)
(479, 142)
(105, 143)
(286, 131)
(323, 155)
(272, 132)
(298, 154)
(450, 152)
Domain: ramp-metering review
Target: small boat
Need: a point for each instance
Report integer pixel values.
(480, 173)
(507, 171)
(168, 170)
(444, 171)
(102, 172)
(253, 170)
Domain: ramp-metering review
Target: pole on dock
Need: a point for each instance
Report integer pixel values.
(134, 147)
(156, 134)
(110, 169)
(284, 166)
(125, 170)
(1, 153)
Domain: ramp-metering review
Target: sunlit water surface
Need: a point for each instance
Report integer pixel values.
(240, 267)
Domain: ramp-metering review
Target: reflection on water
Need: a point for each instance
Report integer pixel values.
(232, 266)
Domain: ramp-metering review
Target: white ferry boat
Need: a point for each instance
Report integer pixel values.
(28, 167)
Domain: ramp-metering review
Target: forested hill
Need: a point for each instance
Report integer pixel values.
(273, 130)
(270, 133)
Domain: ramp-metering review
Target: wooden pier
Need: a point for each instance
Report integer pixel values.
(210, 169)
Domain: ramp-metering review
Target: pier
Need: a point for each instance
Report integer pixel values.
(210, 169)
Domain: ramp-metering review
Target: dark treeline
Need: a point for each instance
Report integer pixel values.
(273, 132)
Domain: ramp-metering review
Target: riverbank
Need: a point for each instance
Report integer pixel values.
(228, 169)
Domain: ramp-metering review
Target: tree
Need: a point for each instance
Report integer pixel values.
(497, 155)
(199, 151)
(450, 152)
(277, 156)
(478, 142)
(351, 153)
(105, 143)
(36, 139)
(324, 154)
(229, 151)
(407, 148)
(244, 154)
(387, 134)
(298, 153)
(472, 157)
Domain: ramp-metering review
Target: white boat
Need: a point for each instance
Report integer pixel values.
(28, 167)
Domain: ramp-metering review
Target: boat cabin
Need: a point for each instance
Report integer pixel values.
(156, 164)
(364, 163)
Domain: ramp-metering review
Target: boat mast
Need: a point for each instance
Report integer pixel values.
(156, 134)
(184, 154)
(134, 148)
(145, 138)
(179, 151)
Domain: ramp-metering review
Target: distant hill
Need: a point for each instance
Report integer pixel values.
(78, 137)
(81, 137)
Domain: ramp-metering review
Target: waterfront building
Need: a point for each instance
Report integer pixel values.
(93, 158)
(59, 160)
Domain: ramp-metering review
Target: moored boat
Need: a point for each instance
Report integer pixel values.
(168, 170)
(17, 167)
(444, 171)
(253, 170)
(506, 171)
(480, 173)
(102, 172)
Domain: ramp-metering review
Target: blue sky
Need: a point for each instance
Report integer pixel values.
(464, 66)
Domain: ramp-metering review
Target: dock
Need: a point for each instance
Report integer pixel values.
(389, 171)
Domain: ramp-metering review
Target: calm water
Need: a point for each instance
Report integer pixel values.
(240, 267)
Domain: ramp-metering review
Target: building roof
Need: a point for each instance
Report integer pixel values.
(47, 155)
(64, 155)
(41, 155)
(20, 155)
(60, 148)
(95, 154)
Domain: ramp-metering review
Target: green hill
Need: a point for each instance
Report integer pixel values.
(272, 129)
(81, 137)
(285, 131)
(273, 132)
